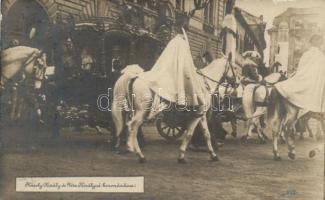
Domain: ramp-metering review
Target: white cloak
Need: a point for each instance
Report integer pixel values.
(306, 89)
(174, 77)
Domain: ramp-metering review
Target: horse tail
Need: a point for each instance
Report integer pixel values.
(120, 105)
(276, 105)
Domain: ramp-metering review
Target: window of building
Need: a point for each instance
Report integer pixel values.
(283, 32)
(180, 4)
(228, 6)
(209, 13)
(237, 40)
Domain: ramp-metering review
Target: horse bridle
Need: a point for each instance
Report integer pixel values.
(223, 77)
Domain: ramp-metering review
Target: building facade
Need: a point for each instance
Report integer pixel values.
(135, 31)
(250, 32)
(290, 35)
(244, 32)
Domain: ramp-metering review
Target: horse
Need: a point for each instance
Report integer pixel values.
(144, 100)
(23, 69)
(302, 124)
(255, 101)
(283, 116)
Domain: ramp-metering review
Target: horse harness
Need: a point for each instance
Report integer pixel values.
(265, 102)
(205, 77)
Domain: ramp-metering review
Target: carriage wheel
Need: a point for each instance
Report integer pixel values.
(170, 133)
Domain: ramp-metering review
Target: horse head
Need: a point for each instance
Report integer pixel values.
(21, 64)
(217, 72)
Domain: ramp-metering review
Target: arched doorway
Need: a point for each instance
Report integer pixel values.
(21, 18)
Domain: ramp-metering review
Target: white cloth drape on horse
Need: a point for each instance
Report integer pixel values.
(306, 89)
(174, 77)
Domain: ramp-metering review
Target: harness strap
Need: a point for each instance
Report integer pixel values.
(232, 70)
(200, 73)
(266, 100)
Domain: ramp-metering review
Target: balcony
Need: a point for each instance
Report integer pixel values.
(140, 17)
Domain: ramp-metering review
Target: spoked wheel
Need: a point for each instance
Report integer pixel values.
(171, 132)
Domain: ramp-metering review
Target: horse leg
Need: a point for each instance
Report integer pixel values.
(21, 106)
(282, 137)
(289, 125)
(309, 130)
(275, 123)
(189, 133)
(322, 122)
(14, 103)
(250, 127)
(276, 131)
(133, 126)
(204, 126)
(118, 120)
(234, 128)
(262, 137)
(289, 135)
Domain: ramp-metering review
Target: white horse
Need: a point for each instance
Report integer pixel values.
(143, 103)
(304, 121)
(21, 62)
(252, 95)
(282, 116)
(21, 66)
(255, 100)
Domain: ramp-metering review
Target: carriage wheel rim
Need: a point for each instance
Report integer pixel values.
(167, 132)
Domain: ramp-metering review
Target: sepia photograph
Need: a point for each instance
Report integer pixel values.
(162, 99)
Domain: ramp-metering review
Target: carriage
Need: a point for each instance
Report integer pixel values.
(170, 124)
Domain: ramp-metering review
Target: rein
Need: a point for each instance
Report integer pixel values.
(205, 77)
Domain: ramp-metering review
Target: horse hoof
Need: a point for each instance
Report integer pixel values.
(265, 137)
(244, 140)
(312, 154)
(142, 160)
(262, 142)
(220, 144)
(234, 134)
(214, 158)
(292, 156)
(277, 158)
(181, 161)
(123, 151)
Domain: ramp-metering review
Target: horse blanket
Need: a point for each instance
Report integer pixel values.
(174, 76)
(306, 89)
